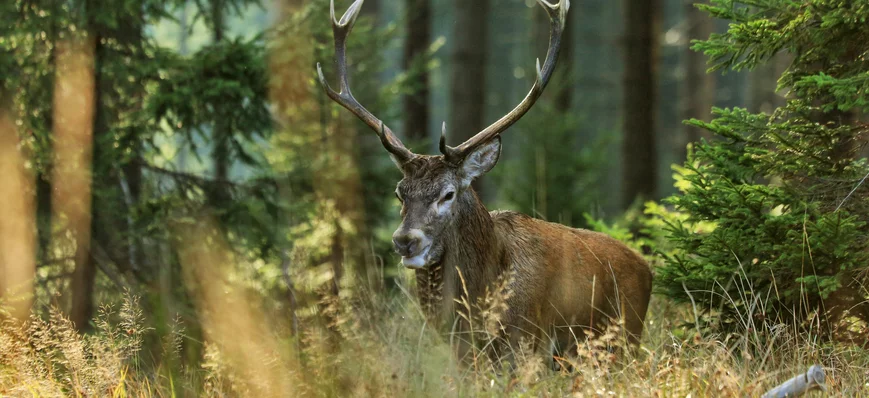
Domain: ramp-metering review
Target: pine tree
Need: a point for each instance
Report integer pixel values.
(775, 208)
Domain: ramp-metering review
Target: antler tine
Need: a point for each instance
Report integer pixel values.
(445, 149)
(557, 20)
(341, 29)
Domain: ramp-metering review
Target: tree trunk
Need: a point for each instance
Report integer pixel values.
(564, 94)
(416, 104)
(638, 146)
(372, 8)
(221, 134)
(699, 89)
(218, 21)
(467, 80)
(74, 117)
(127, 180)
(17, 219)
(102, 218)
(597, 95)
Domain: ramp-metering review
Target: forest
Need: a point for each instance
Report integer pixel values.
(190, 212)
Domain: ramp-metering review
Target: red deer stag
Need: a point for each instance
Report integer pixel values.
(561, 279)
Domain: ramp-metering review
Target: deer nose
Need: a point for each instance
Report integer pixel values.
(407, 243)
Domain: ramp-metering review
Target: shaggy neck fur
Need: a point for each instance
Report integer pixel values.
(472, 249)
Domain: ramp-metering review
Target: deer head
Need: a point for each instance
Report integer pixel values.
(435, 189)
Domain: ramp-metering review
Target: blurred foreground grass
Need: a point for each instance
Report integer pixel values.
(388, 350)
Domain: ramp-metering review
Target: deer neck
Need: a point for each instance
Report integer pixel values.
(472, 253)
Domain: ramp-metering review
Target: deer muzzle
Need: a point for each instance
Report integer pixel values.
(413, 246)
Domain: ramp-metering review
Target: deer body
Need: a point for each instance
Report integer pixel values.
(561, 279)
(572, 278)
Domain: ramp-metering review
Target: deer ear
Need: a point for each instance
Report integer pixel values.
(481, 160)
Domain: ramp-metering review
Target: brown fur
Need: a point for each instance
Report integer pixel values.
(564, 279)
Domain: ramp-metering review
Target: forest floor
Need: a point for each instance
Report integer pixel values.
(391, 351)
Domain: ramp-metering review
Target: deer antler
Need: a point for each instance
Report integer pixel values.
(341, 29)
(557, 17)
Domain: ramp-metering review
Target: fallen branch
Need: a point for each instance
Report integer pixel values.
(799, 385)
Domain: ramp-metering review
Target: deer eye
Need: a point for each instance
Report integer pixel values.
(449, 196)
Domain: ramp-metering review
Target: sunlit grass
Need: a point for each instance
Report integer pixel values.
(387, 349)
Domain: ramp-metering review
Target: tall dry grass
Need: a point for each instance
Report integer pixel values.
(387, 349)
